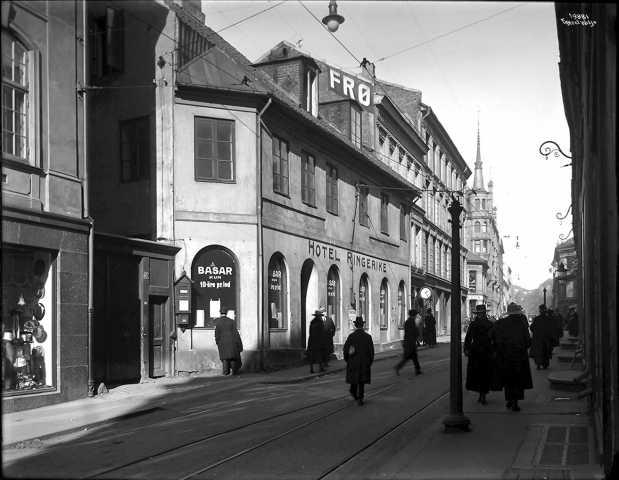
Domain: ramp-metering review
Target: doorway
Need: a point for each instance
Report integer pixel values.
(309, 298)
(157, 314)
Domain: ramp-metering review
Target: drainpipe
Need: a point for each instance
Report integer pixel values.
(85, 189)
(259, 228)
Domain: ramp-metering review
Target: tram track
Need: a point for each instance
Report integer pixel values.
(178, 450)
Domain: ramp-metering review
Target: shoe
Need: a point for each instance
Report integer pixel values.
(360, 401)
(353, 395)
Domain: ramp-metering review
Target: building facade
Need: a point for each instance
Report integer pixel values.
(565, 277)
(477, 272)
(482, 236)
(45, 228)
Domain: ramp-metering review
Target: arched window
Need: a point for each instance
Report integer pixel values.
(15, 98)
(477, 227)
(384, 304)
(277, 292)
(214, 271)
(477, 204)
(401, 304)
(363, 309)
(333, 296)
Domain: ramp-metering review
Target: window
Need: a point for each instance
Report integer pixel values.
(280, 166)
(135, 149)
(277, 292)
(16, 90)
(308, 188)
(477, 227)
(485, 246)
(362, 309)
(311, 92)
(333, 296)
(384, 304)
(384, 214)
(401, 305)
(332, 199)
(484, 227)
(472, 281)
(214, 149)
(108, 44)
(355, 126)
(403, 226)
(477, 247)
(477, 203)
(363, 206)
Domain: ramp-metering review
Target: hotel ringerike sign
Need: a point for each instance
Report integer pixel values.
(351, 87)
(326, 252)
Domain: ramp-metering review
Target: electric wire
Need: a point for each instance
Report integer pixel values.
(249, 17)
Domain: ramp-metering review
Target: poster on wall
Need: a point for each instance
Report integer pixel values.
(214, 272)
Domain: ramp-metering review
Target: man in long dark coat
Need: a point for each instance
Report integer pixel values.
(543, 338)
(229, 343)
(359, 355)
(329, 333)
(572, 322)
(409, 344)
(511, 339)
(429, 329)
(480, 352)
(316, 342)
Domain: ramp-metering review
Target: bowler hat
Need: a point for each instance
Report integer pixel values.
(223, 310)
(481, 308)
(513, 308)
(359, 322)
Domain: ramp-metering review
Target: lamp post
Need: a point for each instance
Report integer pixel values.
(456, 420)
(333, 20)
(544, 296)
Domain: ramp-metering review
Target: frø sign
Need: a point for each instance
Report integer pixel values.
(351, 87)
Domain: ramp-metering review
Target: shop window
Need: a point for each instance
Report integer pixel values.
(363, 205)
(18, 100)
(355, 126)
(384, 214)
(280, 166)
(214, 272)
(333, 296)
(214, 149)
(135, 149)
(332, 193)
(401, 305)
(308, 175)
(363, 308)
(384, 304)
(277, 292)
(28, 328)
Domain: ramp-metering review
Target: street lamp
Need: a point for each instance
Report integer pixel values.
(333, 20)
(456, 420)
(544, 296)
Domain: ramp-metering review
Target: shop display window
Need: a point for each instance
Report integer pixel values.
(363, 301)
(401, 305)
(333, 296)
(277, 292)
(384, 304)
(28, 360)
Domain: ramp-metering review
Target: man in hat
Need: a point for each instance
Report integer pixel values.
(359, 355)
(409, 344)
(543, 338)
(478, 349)
(316, 343)
(511, 339)
(329, 333)
(229, 343)
(429, 329)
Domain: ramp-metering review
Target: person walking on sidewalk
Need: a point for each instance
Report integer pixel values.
(511, 339)
(409, 344)
(229, 343)
(572, 322)
(316, 342)
(359, 355)
(329, 333)
(543, 337)
(480, 352)
(429, 329)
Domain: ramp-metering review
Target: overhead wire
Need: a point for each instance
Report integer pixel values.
(249, 17)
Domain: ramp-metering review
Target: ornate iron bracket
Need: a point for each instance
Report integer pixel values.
(566, 236)
(563, 217)
(546, 148)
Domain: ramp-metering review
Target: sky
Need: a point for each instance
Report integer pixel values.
(502, 69)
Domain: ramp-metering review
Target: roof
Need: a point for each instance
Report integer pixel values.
(199, 73)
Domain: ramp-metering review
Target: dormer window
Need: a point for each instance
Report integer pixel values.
(311, 92)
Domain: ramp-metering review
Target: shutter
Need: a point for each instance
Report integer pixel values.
(368, 130)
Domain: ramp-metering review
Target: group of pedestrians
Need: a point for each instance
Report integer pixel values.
(320, 340)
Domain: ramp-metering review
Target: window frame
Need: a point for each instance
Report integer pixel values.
(384, 213)
(356, 128)
(383, 304)
(403, 229)
(215, 160)
(364, 216)
(279, 161)
(141, 166)
(308, 188)
(332, 199)
(277, 260)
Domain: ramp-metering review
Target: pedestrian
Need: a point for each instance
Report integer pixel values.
(480, 352)
(359, 355)
(572, 322)
(409, 344)
(316, 342)
(558, 326)
(429, 329)
(329, 333)
(419, 321)
(511, 340)
(229, 343)
(543, 338)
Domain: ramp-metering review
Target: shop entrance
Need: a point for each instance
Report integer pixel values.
(157, 313)
(309, 298)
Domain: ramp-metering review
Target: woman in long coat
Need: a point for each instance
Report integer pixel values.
(480, 352)
(511, 339)
(359, 355)
(541, 343)
(316, 342)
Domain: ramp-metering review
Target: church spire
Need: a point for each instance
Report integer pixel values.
(478, 179)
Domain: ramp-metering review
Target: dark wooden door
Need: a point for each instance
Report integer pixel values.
(156, 356)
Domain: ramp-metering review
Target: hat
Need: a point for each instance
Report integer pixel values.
(319, 312)
(359, 322)
(514, 308)
(481, 308)
(413, 312)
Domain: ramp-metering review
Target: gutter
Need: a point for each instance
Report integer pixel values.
(259, 229)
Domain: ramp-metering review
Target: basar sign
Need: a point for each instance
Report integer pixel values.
(352, 87)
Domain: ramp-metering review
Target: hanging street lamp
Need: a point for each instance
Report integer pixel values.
(333, 20)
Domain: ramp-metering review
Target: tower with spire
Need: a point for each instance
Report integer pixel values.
(483, 241)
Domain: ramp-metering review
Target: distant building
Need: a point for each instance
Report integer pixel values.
(482, 236)
(477, 273)
(565, 277)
